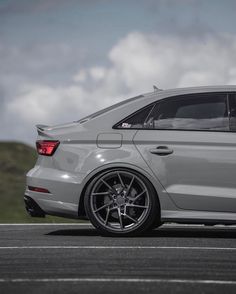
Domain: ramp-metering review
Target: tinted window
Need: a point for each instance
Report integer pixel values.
(136, 120)
(191, 112)
(232, 104)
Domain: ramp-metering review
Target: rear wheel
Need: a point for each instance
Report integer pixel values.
(121, 202)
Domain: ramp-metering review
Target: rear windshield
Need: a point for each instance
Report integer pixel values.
(100, 112)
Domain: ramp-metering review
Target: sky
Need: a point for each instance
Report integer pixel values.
(63, 59)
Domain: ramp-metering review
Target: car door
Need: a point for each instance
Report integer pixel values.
(187, 143)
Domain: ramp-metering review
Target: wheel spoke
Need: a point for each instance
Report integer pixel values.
(107, 216)
(130, 185)
(136, 198)
(137, 206)
(120, 218)
(110, 187)
(104, 206)
(133, 220)
(100, 193)
(120, 179)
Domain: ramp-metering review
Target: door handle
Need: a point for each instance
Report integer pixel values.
(161, 150)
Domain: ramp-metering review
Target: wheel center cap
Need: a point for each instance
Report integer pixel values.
(120, 200)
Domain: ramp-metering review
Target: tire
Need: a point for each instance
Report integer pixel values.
(121, 202)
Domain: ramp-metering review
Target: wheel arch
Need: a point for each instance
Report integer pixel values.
(128, 167)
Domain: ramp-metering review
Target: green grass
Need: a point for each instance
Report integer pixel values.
(16, 159)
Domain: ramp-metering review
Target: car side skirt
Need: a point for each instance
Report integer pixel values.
(197, 217)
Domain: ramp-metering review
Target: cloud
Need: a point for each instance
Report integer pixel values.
(174, 62)
(133, 65)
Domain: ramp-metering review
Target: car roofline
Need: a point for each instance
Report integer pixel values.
(158, 95)
(192, 90)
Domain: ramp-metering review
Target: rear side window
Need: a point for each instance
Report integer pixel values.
(136, 120)
(191, 112)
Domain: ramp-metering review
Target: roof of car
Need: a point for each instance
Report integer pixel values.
(128, 106)
(192, 90)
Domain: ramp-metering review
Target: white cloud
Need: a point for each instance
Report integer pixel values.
(81, 76)
(98, 73)
(135, 63)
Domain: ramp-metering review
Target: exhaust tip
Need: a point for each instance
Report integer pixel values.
(33, 208)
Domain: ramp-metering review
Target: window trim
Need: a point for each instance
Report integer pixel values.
(227, 94)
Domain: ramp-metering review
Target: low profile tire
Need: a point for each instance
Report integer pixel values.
(121, 202)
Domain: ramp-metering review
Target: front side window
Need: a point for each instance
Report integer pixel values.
(191, 112)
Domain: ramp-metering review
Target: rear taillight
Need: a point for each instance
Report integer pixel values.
(47, 148)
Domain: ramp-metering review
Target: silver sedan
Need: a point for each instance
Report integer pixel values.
(165, 156)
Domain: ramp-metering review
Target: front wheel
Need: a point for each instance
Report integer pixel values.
(121, 202)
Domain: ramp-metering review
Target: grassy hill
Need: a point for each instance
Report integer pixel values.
(15, 161)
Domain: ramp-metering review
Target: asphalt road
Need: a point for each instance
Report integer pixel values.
(75, 259)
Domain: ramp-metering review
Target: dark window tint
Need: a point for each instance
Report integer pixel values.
(232, 119)
(191, 112)
(136, 120)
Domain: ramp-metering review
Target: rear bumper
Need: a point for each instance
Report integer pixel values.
(33, 208)
(63, 195)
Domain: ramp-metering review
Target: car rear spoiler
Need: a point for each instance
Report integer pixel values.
(41, 129)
